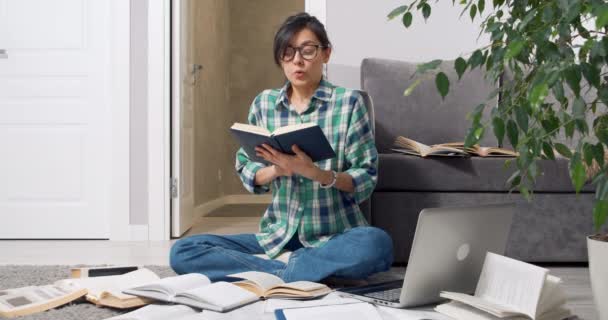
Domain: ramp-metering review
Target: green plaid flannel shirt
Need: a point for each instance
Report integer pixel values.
(299, 204)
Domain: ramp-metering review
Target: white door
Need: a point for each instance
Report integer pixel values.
(183, 81)
(55, 128)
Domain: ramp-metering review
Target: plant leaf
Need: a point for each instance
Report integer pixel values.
(577, 172)
(473, 12)
(602, 16)
(481, 5)
(512, 133)
(548, 151)
(460, 65)
(407, 19)
(499, 129)
(412, 86)
(563, 150)
(431, 65)
(513, 49)
(397, 12)
(600, 212)
(443, 84)
(426, 11)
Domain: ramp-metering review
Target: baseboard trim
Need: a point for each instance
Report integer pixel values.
(209, 206)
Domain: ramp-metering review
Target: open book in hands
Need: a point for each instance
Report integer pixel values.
(509, 289)
(307, 136)
(196, 290)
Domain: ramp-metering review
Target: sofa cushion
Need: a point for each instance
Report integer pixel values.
(398, 172)
(423, 116)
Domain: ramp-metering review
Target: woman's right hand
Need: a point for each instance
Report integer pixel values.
(280, 172)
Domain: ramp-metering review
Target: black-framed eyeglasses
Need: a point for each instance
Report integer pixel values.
(307, 52)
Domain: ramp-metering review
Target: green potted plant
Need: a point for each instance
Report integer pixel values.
(549, 48)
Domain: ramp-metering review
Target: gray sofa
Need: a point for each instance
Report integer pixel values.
(550, 228)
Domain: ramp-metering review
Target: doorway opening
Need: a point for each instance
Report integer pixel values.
(221, 59)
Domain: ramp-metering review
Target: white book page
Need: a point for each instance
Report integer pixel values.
(358, 311)
(261, 279)
(274, 304)
(553, 296)
(158, 312)
(293, 127)
(511, 283)
(493, 308)
(111, 284)
(221, 294)
(251, 128)
(173, 285)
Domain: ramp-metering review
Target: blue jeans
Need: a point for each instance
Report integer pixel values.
(354, 254)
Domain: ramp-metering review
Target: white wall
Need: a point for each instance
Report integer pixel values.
(360, 29)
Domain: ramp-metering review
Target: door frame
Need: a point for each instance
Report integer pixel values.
(159, 112)
(118, 211)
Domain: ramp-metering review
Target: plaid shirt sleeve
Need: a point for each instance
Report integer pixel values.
(245, 168)
(361, 153)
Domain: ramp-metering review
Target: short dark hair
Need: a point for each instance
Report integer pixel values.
(293, 25)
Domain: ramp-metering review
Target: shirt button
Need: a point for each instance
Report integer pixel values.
(301, 180)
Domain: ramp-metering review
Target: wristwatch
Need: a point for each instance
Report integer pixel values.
(333, 181)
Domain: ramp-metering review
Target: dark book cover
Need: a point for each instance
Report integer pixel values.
(311, 140)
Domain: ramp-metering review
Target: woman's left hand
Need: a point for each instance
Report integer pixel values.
(300, 163)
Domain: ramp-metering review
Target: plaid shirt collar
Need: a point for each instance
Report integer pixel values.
(323, 93)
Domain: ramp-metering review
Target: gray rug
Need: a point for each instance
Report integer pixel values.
(21, 276)
(16, 276)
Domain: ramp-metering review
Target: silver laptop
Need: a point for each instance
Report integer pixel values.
(448, 252)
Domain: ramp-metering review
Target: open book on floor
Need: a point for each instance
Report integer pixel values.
(509, 289)
(198, 291)
(413, 147)
(34, 299)
(107, 290)
(307, 136)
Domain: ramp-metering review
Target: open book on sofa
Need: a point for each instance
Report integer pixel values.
(196, 290)
(413, 147)
(410, 146)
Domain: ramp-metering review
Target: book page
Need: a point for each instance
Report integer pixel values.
(511, 283)
(223, 295)
(552, 296)
(251, 128)
(96, 286)
(459, 310)
(28, 300)
(493, 308)
(173, 285)
(158, 312)
(262, 280)
(293, 127)
(410, 144)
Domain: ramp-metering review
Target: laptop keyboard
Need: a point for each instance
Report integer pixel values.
(392, 295)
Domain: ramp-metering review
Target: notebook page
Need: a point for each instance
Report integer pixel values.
(358, 311)
(113, 284)
(157, 312)
(512, 283)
